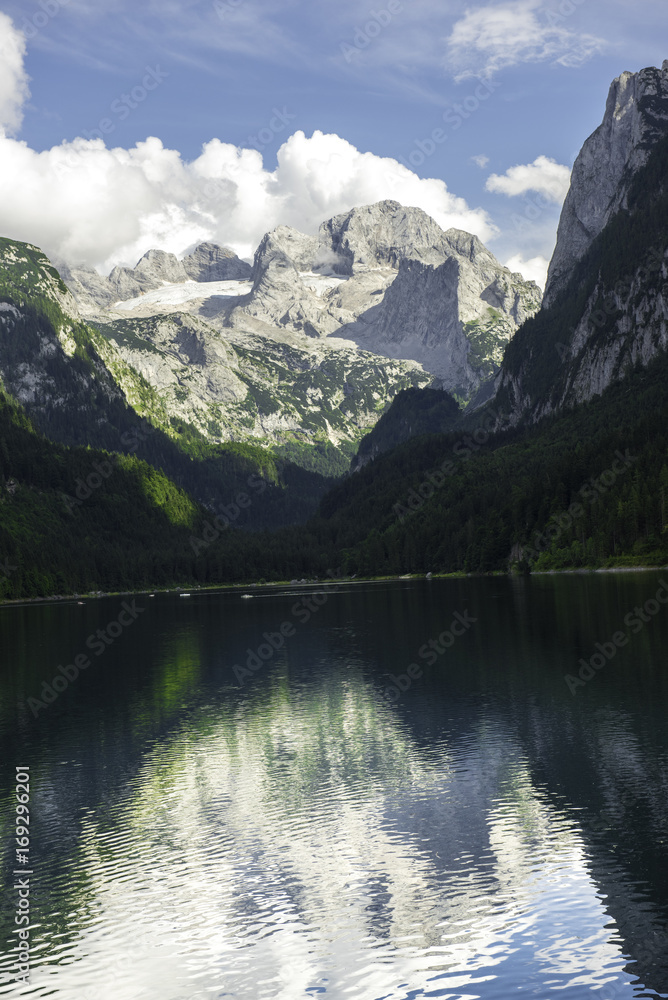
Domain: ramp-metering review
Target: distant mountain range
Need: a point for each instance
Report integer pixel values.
(381, 339)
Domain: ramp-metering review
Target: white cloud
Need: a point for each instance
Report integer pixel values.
(544, 175)
(492, 37)
(534, 269)
(13, 78)
(481, 160)
(88, 204)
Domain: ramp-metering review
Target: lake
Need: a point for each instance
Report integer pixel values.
(446, 788)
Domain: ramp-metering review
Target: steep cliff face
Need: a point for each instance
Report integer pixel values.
(606, 305)
(391, 280)
(636, 117)
(612, 316)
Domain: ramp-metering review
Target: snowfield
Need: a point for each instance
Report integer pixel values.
(175, 295)
(320, 283)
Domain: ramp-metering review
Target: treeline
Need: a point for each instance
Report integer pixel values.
(589, 488)
(74, 520)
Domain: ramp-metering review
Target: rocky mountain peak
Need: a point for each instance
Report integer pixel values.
(210, 262)
(158, 265)
(382, 234)
(636, 117)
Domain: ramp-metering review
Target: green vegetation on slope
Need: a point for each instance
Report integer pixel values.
(411, 413)
(73, 399)
(75, 519)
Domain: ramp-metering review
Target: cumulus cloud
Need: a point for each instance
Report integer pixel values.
(544, 175)
(534, 269)
(88, 204)
(85, 203)
(13, 78)
(492, 37)
(481, 160)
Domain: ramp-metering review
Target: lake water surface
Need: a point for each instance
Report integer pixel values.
(338, 823)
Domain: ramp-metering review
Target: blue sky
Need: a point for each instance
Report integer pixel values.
(383, 77)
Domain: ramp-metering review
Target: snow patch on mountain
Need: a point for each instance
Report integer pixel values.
(186, 291)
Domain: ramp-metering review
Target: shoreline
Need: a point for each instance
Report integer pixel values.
(222, 587)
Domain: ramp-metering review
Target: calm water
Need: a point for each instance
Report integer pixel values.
(299, 832)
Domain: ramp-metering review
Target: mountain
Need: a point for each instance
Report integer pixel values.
(391, 280)
(565, 466)
(81, 519)
(384, 279)
(413, 412)
(207, 262)
(606, 306)
(77, 390)
(86, 383)
(635, 119)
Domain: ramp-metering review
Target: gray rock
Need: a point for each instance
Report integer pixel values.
(455, 319)
(210, 262)
(383, 234)
(91, 290)
(301, 250)
(418, 319)
(154, 269)
(636, 117)
(436, 315)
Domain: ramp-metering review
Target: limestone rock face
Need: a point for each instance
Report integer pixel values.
(380, 235)
(454, 320)
(209, 262)
(636, 117)
(153, 270)
(622, 281)
(91, 290)
(451, 306)
(419, 316)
